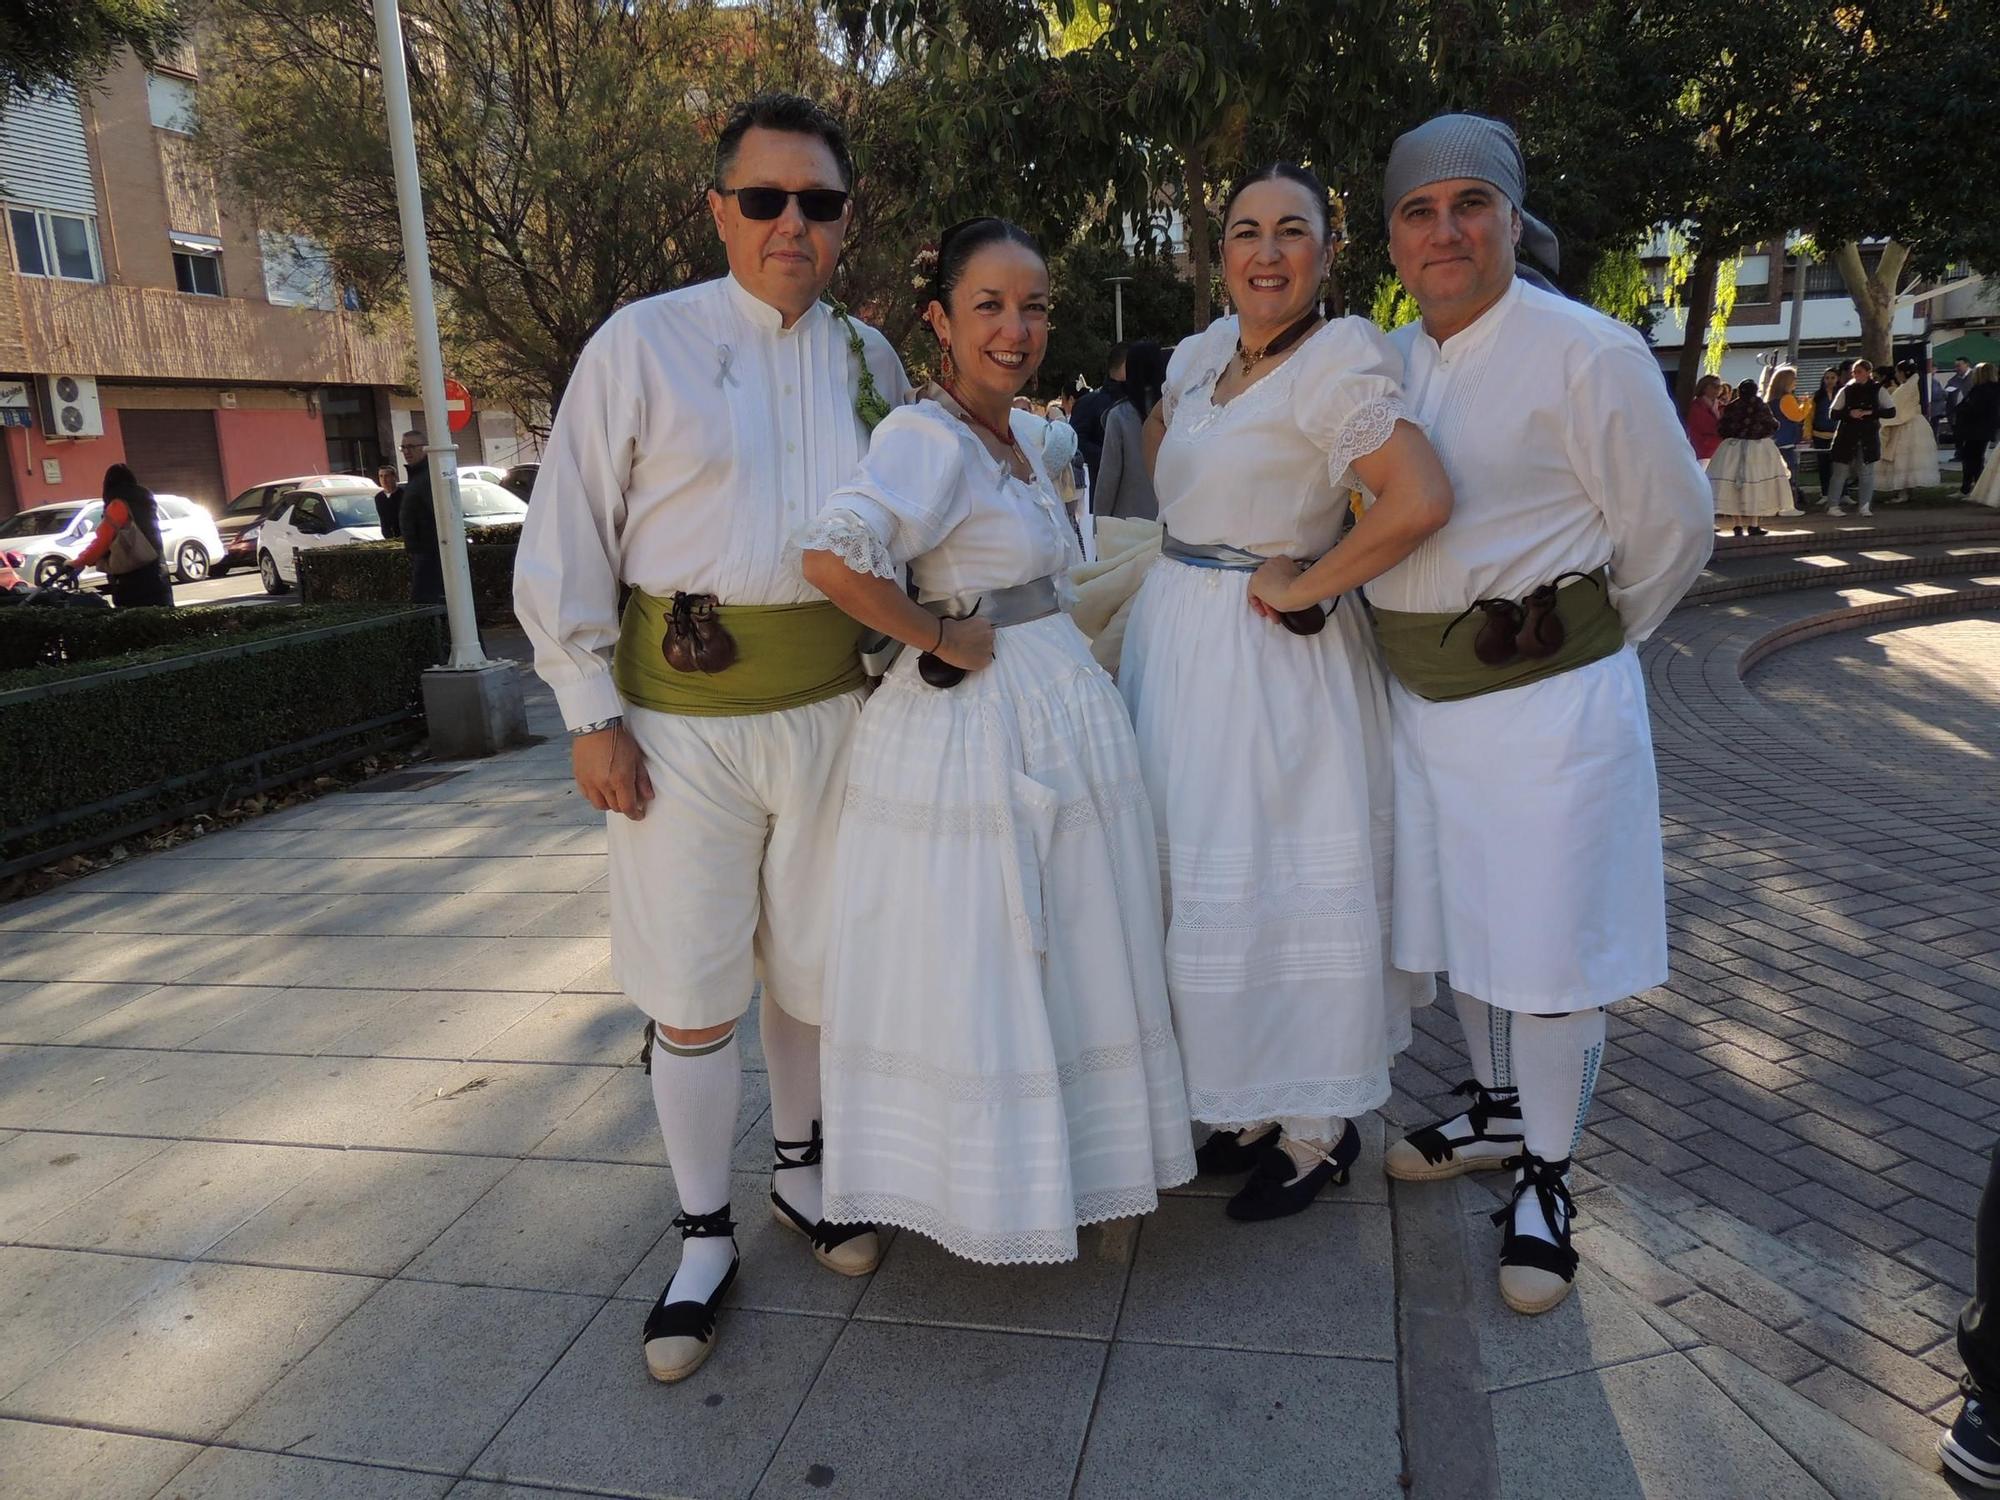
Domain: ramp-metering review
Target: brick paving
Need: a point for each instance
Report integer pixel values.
(1792, 1133)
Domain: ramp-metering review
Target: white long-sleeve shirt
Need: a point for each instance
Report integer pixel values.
(1564, 453)
(696, 438)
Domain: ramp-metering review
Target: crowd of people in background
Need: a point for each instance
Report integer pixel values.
(1876, 429)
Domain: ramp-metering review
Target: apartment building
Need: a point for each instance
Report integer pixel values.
(145, 320)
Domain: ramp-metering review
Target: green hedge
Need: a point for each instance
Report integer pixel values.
(144, 721)
(379, 573)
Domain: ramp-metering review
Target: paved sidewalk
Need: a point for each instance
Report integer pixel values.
(326, 1170)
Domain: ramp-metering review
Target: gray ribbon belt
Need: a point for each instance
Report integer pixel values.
(1217, 555)
(1033, 600)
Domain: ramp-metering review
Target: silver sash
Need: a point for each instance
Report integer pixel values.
(1034, 600)
(1215, 555)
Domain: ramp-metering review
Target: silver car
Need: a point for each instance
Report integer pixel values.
(50, 535)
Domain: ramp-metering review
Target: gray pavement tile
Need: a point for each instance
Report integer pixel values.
(1910, 1381)
(170, 1093)
(922, 1412)
(46, 1462)
(189, 1358)
(51, 1299)
(43, 1174)
(365, 1212)
(34, 1010)
(182, 1201)
(243, 1474)
(302, 1021)
(171, 1016)
(36, 1081)
(1597, 1325)
(598, 1419)
(571, 916)
(132, 958)
(778, 1273)
(567, 873)
(408, 916)
(448, 1024)
(1201, 1278)
(479, 1489)
(1848, 1464)
(1859, 1404)
(554, 1226)
(597, 980)
(1197, 1423)
(424, 1375)
(919, 1282)
(571, 1028)
(1655, 1429)
(497, 1109)
(335, 962)
(527, 963)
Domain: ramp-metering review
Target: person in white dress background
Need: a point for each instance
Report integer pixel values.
(1265, 744)
(698, 432)
(999, 1065)
(1909, 448)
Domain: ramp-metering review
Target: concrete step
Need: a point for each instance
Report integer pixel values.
(1889, 525)
(1742, 574)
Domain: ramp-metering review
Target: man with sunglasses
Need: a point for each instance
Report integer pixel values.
(699, 435)
(1528, 860)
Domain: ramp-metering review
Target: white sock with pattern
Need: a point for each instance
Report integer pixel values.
(1488, 1040)
(1555, 1064)
(696, 1091)
(791, 1052)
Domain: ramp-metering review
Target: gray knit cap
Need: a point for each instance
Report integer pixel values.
(1451, 146)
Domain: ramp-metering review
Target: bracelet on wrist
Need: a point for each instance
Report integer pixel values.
(611, 723)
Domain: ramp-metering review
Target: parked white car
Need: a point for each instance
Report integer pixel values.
(50, 535)
(343, 510)
(488, 472)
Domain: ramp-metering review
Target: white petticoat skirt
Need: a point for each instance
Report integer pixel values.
(1267, 759)
(997, 1058)
(1749, 478)
(1909, 457)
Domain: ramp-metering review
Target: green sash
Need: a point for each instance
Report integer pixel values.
(1442, 667)
(787, 655)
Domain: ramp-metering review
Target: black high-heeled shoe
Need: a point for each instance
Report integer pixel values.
(1277, 1188)
(1223, 1154)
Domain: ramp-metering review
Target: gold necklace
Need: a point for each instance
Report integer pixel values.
(1249, 359)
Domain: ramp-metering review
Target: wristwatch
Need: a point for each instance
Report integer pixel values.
(611, 723)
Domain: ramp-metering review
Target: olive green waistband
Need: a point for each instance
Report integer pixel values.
(1432, 654)
(787, 656)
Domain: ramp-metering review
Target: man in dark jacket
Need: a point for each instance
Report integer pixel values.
(419, 521)
(1092, 409)
(389, 502)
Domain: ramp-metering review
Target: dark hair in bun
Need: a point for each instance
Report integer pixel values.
(958, 244)
(1332, 220)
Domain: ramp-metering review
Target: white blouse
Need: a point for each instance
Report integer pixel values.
(1564, 453)
(695, 438)
(931, 496)
(1268, 470)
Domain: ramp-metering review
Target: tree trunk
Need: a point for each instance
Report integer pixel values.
(1699, 297)
(1194, 220)
(1874, 296)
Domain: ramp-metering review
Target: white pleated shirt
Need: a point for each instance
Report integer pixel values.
(1554, 424)
(696, 439)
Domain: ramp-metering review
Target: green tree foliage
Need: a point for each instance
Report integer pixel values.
(1082, 324)
(48, 44)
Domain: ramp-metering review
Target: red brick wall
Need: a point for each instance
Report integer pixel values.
(83, 463)
(261, 445)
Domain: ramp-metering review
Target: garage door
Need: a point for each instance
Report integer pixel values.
(174, 453)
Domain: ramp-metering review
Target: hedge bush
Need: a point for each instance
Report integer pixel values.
(143, 721)
(379, 573)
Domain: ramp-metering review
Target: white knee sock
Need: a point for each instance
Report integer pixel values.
(696, 1092)
(1488, 1040)
(791, 1052)
(1555, 1064)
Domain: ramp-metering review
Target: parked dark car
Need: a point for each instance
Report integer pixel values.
(521, 479)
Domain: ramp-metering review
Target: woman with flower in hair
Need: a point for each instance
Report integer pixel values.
(998, 1063)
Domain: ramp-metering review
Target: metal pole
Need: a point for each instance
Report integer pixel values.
(1118, 309)
(465, 652)
(1798, 308)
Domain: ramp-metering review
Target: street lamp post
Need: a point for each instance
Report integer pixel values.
(1118, 306)
(466, 654)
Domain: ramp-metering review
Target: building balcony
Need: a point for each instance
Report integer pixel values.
(146, 333)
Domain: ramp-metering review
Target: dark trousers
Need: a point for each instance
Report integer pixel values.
(1823, 457)
(142, 586)
(1979, 1324)
(1972, 459)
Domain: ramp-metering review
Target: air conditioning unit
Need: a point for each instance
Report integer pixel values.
(69, 407)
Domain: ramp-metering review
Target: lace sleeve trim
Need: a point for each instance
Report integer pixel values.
(1366, 430)
(849, 538)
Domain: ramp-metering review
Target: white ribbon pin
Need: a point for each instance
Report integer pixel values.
(723, 375)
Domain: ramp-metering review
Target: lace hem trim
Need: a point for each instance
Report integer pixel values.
(1008, 1248)
(848, 538)
(1345, 1098)
(987, 1088)
(991, 819)
(1299, 902)
(1365, 430)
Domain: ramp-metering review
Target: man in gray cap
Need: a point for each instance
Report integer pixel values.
(1528, 860)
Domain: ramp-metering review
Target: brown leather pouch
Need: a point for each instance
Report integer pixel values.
(1542, 632)
(696, 639)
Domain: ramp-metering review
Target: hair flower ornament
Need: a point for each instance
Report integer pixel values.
(923, 267)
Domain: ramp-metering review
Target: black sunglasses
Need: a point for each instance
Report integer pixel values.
(821, 205)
